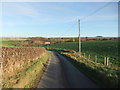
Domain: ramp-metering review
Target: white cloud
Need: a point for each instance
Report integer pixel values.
(16, 10)
(19, 9)
(59, 0)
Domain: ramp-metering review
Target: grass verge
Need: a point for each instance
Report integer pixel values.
(27, 77)
(103, 76)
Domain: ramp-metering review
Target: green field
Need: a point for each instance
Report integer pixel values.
(9, 43)
(100, 49)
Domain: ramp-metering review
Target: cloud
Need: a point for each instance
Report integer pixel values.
(43, 14)
(19, 9)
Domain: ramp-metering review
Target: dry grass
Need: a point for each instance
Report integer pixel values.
(27, 76)
(104, 76)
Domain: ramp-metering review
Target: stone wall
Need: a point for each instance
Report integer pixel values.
(16, 58)
(0, 69)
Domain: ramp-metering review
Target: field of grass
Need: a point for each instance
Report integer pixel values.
(9, 43)
(100, 49)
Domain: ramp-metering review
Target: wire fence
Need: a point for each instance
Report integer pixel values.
(108, 61)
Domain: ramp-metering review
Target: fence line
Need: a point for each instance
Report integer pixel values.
(99, 59)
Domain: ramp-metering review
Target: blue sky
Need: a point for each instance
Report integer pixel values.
(58, 19)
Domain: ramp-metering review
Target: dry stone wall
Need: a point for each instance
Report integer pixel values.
(16, 58)
(0, 69)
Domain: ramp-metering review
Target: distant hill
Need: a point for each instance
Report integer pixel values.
(12, 39)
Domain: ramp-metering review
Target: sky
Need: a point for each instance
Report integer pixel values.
(59, 19)
(59, 0)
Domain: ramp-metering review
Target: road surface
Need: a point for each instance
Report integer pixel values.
(60, 73)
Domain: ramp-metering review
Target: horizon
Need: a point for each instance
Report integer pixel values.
(57, 37)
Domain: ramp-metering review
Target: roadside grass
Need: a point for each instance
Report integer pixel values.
(104, 76)
(27, 77)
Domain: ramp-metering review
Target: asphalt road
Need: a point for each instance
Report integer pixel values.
(60, 73)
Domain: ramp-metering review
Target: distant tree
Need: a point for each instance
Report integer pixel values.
(86, 38)
(99, 36)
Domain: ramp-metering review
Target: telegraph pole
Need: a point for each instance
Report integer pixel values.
(79, 43)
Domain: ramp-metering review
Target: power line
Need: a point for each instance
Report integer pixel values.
(70, 28)
(97, 10)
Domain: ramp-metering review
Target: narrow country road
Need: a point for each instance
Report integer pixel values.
(60, 73)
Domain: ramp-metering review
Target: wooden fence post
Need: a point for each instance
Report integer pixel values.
(104, 60)
(84, 54)
(107, 61)
(89, 57)
(95, 58)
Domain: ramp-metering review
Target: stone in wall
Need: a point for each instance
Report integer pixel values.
(15, 58)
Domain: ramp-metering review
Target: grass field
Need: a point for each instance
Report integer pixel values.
(104, 76)
(100, 48)
(9, 43)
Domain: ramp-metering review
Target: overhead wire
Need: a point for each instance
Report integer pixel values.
(85, 17)
(97, 10)
(69, 29)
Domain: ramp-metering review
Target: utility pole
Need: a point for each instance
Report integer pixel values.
(79, 43)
